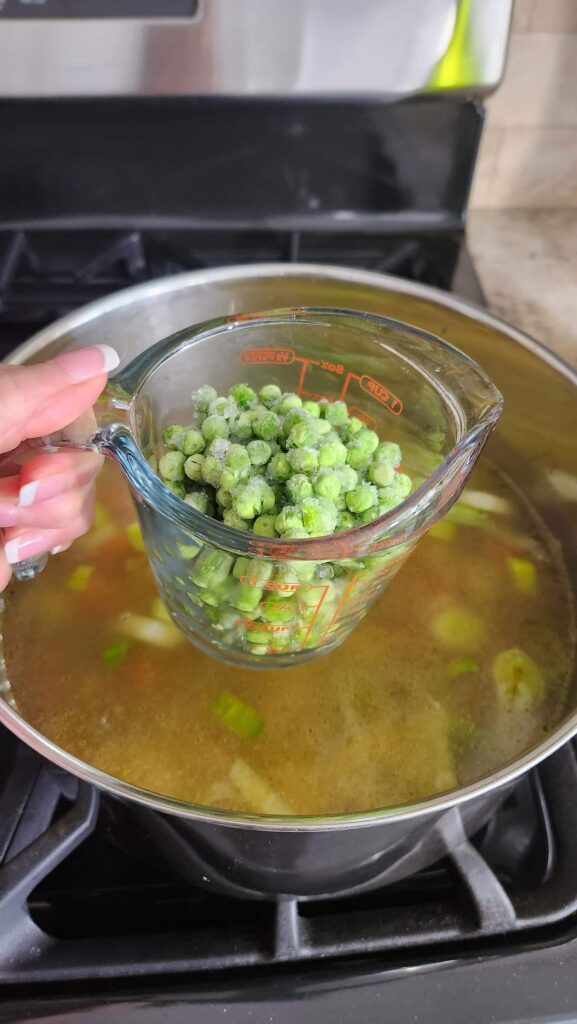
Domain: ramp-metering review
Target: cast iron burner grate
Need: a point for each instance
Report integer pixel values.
(46, 274)
(78, 903)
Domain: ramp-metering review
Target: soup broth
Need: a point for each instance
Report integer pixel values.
(419, 699)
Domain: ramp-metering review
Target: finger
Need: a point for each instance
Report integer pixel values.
(50, 515)
(28, 543)
(47, 476)
(5, 570)
(36, 400)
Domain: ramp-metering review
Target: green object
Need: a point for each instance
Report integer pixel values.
(269, 395)
(389, 453)
(303, 435)
(231, 518)
(80, 578)
(133, 534)
(266, 425)
(212, 470)
(243, 395)
(361, 498)
(381, 474)
(336, 413)
(193, 468)
(259, 452)
(299, 487)
(332, 453)
(462, 666)
(238, 716)
(241, 428)
(303, 460)
(345, 520)
(357, 458)
(327, 484)
(289, 518)
(173, 436)
(214, 426)
(264, 526)
(115, 653)
(222, 407)
(279, 467)
(177, 487)
(319, 516)
(524, 574)
(464, 515)
(171, 466)
(246, 598)
(223, 497)
(211, 568)
(459, 628)
(238, 458)
(287, 402)
(313, 409)
(518, 680)
(201, 501)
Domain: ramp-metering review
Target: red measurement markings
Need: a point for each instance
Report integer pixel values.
(325, 591)
(381, 394)
(345, 597)
(284, 356)
(363, 417)
(278, 585)
(266, 627)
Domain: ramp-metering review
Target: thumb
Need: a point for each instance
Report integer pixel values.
(37, 400)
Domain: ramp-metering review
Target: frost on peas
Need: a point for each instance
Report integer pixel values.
(313, 409)
(243, 395)
(288, 519)
(218, 447)
(211, 568)
(259, 452)
(241, 427)
(269, 395)
(319, 516)
(201, 501)
(332, 453)
(345, 520)
(348, 477)
(238, 458)
(231, 518)
(264, 526)
(223, 407)
(192, 442)
(303, 435)
(224, 498)
(299, 487)
(361, 498)
(278, 609)
(279, 467)
(176, 487)
(211, 470)
(171, 466)
(357, 457)
(173, 436)
(266, 425)
(202, 397)
(303, 460)
(381, 474)
(388, 452)
(214, 426)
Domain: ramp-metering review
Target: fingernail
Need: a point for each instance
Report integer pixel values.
(41, 490)
(59, 548)
(8, 514)
(19, 548)
(84, 363)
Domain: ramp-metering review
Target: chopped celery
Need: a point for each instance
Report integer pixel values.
(524, 574)
(462, 666)
(238, 716)
(133, 534)
(80, 577)
(257, 790)
(456, 627)
(115, 653)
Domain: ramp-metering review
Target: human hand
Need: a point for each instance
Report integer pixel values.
(46, 500)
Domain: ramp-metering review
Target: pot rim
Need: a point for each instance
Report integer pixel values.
(117, 787)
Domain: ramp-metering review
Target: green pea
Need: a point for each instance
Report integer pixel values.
(259, 452)
(243, 395)
(171, 466)
(214, 426)
(287, 402)
(269, 395)
(299, 487)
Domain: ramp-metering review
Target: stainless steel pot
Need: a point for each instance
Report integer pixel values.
(535, 444)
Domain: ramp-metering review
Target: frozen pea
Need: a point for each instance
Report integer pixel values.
(340, 501)
(193, 468)
(336, 413)
(263, 526)
(260, 570)
(219, 447)
(327, 484)
(176, 487)
(303, 460)
(371, 514)
(266, 425)
(295, 533)
(259, 452)
(366, 440)
(402, 484)
(345, 520)
(192, 442)
(200, 500)
(357, 458)
(381, 474)
(203, 396)
(173, 436)
(247, 501)
(291, 419)
(222, 407)
(332, 453)
(348, 477)
(287, 402)
(278, 608)
(231, 518)
(388, 452)
(241, 427)
(238, 458)
(354, 426)
(266, 492)
(319, 516)
(211, 568)
(171, 466)
(245, 597)
(313, 409)
(279, 467)
(211, 470)
(362, 497)
(289, 518)
(323, 428)
(214, 426)
(299, 487)
(243, 395)
(229, 478)
(303, 435)
(269, 394)
(224, 497)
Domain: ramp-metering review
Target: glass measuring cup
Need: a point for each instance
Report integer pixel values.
(218, 582)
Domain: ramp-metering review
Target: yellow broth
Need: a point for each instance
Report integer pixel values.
(383, 720)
